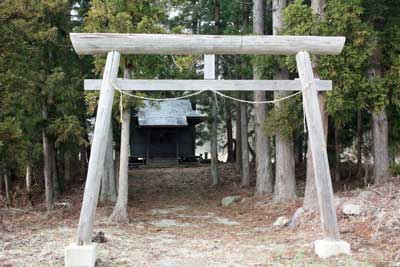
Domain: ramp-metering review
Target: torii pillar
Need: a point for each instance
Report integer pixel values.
(83, 252)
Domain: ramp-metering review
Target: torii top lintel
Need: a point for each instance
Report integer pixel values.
(186, 44)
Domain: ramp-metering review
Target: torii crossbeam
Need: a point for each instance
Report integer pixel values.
(113, 44)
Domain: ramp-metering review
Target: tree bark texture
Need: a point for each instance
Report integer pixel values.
(83, 161)
(245, 170)
(108, 193)
(216, 180)
(359, 144)
(245, 173)
(214, 141)
(116, 168)
(380, 128)
(337, 154)
(54, 170)
(277, 15)
(1, 181)
(262, 144)
(120, 210)
(7, 186)
(380, 133)
(229, 133)
(195, 19)
(285, 179)
(238, 143)
(48, 180)
(318, 7)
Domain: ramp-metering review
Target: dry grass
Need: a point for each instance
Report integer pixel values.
(177, 220)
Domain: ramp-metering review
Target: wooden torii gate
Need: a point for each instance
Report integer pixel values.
(115, 44)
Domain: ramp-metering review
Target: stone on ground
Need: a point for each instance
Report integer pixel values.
(295, 221)
(226, 201)
(327, 248)
(80, 256)
(281, 221)
(351, 209)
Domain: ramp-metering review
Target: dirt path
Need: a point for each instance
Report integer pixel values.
(176, 221)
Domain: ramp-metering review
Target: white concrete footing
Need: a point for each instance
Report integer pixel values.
(326, 248)
(80, 256)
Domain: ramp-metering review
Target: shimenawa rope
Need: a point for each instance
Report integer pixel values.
(201, 91)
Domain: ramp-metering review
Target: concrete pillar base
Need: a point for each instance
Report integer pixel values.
(80, 256)
(327, 248)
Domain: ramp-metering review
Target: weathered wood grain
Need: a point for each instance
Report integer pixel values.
(185, 44)
(98, 150)
(220, 85)
(318, 147)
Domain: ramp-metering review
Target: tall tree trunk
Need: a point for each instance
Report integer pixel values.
(83, 161)
(318, 7)
(245, 170)
(1, 181)
(217, 17)
(120, 210)
(7, 186)
(285, 180)
(245, 16)
(337, 154)
(108, 193)
(214, 125)
(380, 132)
(310, 201)
(195, 17)
(47, 173)
(238, 144)
(111, 175)
(285, 183)
(359, 144)
(28, 179)
(54, 170)
(47, 160)
(229, 134)
(214, 141)
(116, 167)
(262, 144)
(380, 128)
